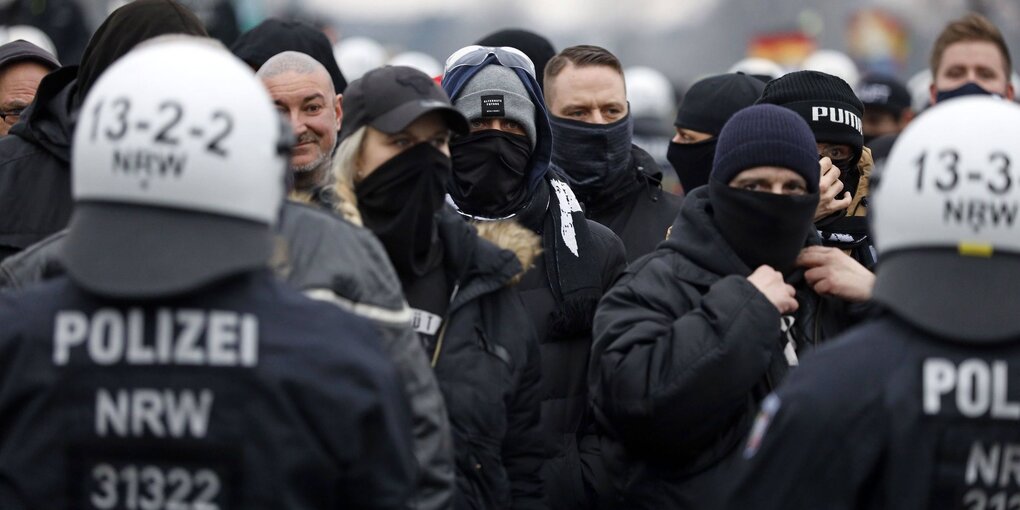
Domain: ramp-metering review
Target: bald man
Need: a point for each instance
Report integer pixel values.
(303, 90)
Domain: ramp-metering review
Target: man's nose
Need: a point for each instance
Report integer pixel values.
(296, 123)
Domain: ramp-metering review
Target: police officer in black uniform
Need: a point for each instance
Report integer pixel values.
(171, 369)
(921, 407)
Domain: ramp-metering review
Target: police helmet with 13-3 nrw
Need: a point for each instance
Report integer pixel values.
(945, 222)
(178, 169)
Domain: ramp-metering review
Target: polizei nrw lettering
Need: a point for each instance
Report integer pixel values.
(174, 337)
(837, 115)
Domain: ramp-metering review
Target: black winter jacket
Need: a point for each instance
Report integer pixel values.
(332, 260)
(281, 411)
(889, 417)
(35, 181)
(574, 475)
(685, 349)
(488, 365)
(641, 216)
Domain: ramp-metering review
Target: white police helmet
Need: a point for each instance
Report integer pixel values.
(946, 220)
(178, 166)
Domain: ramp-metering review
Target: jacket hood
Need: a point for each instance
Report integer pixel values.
(457, 78)
(275, 36)
(129, 25)
(49, 121)
(695, 236)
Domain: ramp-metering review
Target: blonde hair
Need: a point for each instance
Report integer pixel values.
(345, 165)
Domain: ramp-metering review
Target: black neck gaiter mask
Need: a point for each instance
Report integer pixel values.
(593, 157)
(399, 201)
(490, 173)
(692, 162)
(763, 228)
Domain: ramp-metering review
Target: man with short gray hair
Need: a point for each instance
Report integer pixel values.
(303, 90)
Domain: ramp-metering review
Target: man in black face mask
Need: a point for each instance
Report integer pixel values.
(500, 175)
(706, 107)
(619, 183)
(692, 337)
(833, 112)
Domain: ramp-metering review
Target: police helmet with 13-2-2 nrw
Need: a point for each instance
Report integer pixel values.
(945, 221)
(178, 169)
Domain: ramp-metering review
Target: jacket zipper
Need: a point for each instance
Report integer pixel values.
(442, 329)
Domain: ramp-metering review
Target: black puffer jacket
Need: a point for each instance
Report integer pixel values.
(334, 261)
(641, 214)
(685, 349)
(488, 365)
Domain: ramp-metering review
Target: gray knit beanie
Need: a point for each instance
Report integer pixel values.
(497, 92)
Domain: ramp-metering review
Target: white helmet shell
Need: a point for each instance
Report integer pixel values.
(949, 181)
(835, 63)
(758, 66)
(417, 60)
(206, 140)
(650, 93)
(30, 34)
(358, 55)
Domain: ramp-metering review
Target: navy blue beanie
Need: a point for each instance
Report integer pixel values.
(766, 135)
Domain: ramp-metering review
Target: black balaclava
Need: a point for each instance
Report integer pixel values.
(491, 180)
(593, 157)
(692, 162)
(124, 29)
(491, 167)
(274, 36)
(706, 107)
(762, 227)
(399, 201)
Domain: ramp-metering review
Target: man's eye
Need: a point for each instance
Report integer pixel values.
(401, 142)
(313, 108)
(512, 125)
(576, 113)
(477, 124)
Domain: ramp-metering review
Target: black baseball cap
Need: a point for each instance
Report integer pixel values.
(390, 98)
(883, 92)
(22, 50)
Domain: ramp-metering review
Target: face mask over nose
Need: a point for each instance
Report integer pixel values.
(763, 228)
(490, 173)
(592, 156)
(967, 89)
(692, 162)
(398, 203)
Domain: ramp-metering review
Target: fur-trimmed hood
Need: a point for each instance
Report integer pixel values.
(509, 235)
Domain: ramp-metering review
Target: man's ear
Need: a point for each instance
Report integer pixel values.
(1010, 92)
(339, 111)
(932, 93)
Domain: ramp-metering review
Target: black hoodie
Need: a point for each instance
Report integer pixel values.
(35, 182)
(685, 349)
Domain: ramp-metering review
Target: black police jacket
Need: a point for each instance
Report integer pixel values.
(243, 395)
(333, 260)
(889, 417)
(685, 349)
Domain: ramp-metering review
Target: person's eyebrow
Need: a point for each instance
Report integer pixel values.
(317, 95)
